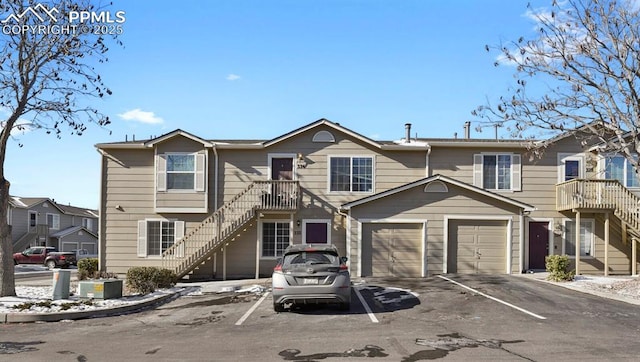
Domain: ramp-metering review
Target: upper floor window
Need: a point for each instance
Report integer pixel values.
(570, 166)
(87, 223)
(352, 174)
(619, 168)
(497, 171)
(181, 171)
(53, 220)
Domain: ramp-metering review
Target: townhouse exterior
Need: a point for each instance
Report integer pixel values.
(408, 208)
(40, 221)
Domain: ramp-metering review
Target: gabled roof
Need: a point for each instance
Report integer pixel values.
(177, 132)
(325, 122)
(424, 181)
(29, 202)
(71, 230)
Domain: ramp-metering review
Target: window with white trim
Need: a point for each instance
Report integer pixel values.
(181, 172)
(586, 237)
(316, 232)
(275, 238)
(351, 174)
(156, 236)
(498, 171)
(570, 166)
(619, 168)
(53, 221)
(87, 223)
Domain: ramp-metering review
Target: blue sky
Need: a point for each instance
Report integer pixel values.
(259, 69)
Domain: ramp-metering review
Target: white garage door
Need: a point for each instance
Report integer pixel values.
(392, 250)
(477, 246)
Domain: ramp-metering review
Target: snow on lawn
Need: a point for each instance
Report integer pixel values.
(40, 299)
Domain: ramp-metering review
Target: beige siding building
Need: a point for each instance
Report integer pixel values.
(408, 208)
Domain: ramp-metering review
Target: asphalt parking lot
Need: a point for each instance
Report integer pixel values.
(471, 317)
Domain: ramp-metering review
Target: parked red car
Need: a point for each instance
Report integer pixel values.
(45, 255)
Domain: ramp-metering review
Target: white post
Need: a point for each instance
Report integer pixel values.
(606, 244)
(577, 243)
(224, 263)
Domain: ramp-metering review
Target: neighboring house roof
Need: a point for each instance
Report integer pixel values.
(29, 202)
(424, 181)
(70, 230)
(79, 211)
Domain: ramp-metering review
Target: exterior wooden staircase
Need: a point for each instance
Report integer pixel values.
(601, 195)
(229, 222)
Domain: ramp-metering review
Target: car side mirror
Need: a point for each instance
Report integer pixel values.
(344, 259)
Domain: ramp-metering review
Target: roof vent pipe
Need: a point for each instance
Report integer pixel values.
(407, 128)
(467, 129)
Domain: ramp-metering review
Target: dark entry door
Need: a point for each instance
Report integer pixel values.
(538, 244)
(282, 169)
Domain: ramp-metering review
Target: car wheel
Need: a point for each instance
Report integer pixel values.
(51, 264)
(278, 307)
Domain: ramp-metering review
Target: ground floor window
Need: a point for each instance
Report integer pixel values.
(316, 232)
(275, 238)
(156, 236)
(586, 237)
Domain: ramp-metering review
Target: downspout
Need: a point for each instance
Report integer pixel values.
(521, 231)
(427, 161)
(101, 213)
(215, 178)
(215, 202)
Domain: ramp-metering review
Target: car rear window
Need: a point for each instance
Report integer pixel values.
(310, 257)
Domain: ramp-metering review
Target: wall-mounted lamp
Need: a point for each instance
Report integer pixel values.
(119, 208)
(298, 222)
(301, 162)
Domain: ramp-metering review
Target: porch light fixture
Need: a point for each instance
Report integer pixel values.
(301, 162)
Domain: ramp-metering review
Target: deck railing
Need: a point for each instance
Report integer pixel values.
(599, 194)
(217, 229)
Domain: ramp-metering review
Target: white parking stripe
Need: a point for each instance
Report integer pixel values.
(493, 298)
(248, 313)
(366, 306)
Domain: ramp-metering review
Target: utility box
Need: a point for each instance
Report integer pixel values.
(61, 283)
(100, 289)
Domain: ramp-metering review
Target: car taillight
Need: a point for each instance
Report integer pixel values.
(344, 267)
(62, 257)
(278, 268)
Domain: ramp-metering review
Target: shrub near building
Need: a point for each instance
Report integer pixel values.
(146, 280)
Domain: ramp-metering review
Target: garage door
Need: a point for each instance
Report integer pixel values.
(392, 250)
(477, 246)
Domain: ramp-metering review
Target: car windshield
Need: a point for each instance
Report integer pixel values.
(310, 258)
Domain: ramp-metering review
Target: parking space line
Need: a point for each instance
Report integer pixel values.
(248, 313)
(493, 298)
(366, 306)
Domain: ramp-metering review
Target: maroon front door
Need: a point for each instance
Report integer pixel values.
(538, 244)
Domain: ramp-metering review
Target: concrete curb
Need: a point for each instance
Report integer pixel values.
(619, 298)
(95, 313)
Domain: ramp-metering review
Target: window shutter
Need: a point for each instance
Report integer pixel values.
(477, 170)
(179, 234)
(516, 173)
(161, 173)
(200, 172)
(142, 238)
